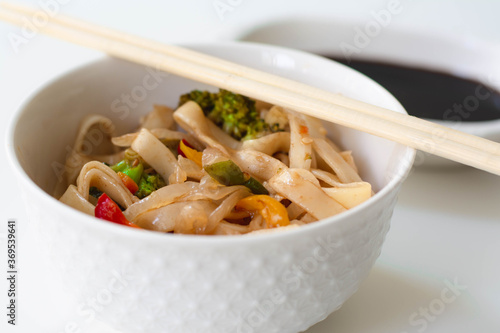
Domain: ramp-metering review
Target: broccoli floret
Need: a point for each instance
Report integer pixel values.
(147, 181)
(204, 99)
(148, 184)
(234, 113)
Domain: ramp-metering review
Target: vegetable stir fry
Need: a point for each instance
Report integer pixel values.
(220, 164)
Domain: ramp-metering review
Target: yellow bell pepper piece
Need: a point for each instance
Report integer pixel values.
(271, 209)
(191, 153)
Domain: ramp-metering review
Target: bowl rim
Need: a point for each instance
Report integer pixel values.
(405, 165)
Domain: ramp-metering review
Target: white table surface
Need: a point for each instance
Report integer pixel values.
(446, 226)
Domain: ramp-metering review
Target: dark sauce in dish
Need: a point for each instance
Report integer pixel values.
(433, 95)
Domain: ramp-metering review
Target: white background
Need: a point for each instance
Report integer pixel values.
(446, 227)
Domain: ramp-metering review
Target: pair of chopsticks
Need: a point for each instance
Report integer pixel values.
(410, 131)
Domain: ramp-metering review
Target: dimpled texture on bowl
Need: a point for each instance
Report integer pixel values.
(143, 281)
(285, 286)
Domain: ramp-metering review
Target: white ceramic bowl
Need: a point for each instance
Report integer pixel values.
(383, 42)
(146, 281)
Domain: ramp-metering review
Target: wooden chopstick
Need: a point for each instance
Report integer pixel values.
(411, 131)
(250, 73)
(247, 72)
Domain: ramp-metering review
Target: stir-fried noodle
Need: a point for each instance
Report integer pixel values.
(220, 164)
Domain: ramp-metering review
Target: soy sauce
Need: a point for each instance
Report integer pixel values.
(433, 95)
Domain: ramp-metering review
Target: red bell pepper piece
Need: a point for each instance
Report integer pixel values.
(128, 182)
(108, 210)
